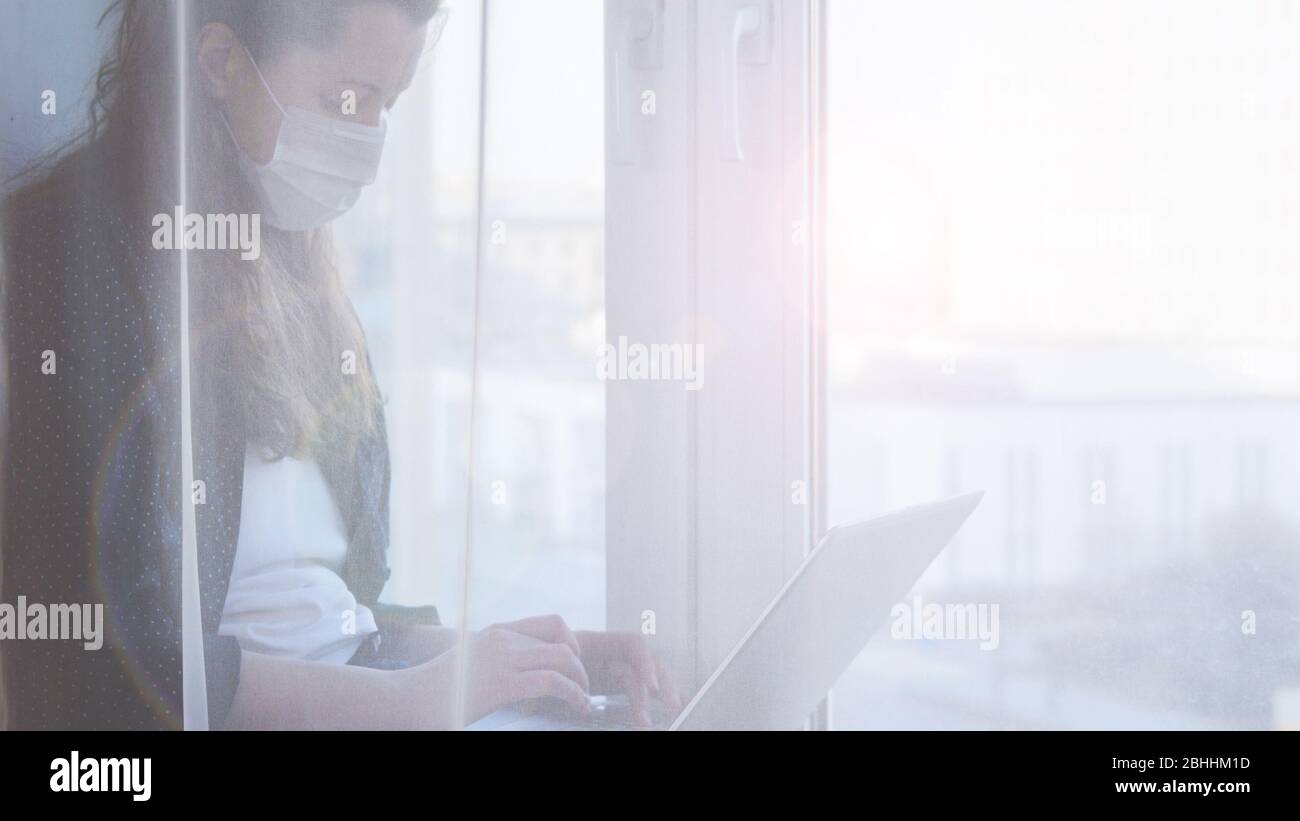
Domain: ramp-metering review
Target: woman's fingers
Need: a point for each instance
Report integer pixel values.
(550, 684)
(646, 672)
(636, 675)
(667, 690)
(545, 628)
(628, 682)
(641, 675)
(638, 655)
(557, 657)
(555, 667)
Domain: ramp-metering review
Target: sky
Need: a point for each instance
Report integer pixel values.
(1066, 173)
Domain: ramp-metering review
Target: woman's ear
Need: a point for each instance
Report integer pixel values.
(216, 58)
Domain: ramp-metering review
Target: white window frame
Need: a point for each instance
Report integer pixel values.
(712, 245)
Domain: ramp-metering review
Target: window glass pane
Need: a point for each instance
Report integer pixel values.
(539, 531)
(1062, 269)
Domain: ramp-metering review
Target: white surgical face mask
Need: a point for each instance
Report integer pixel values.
(318, 169)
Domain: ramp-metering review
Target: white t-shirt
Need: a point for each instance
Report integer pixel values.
(286, 597)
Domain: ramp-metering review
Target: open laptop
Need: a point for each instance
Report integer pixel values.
(806, 637)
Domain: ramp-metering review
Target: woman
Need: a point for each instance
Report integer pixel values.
(285, 118)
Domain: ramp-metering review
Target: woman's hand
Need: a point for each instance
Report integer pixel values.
(621, 663)
(505, 663)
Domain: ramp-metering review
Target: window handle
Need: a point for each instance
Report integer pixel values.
(639, 46)
(750, 44)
